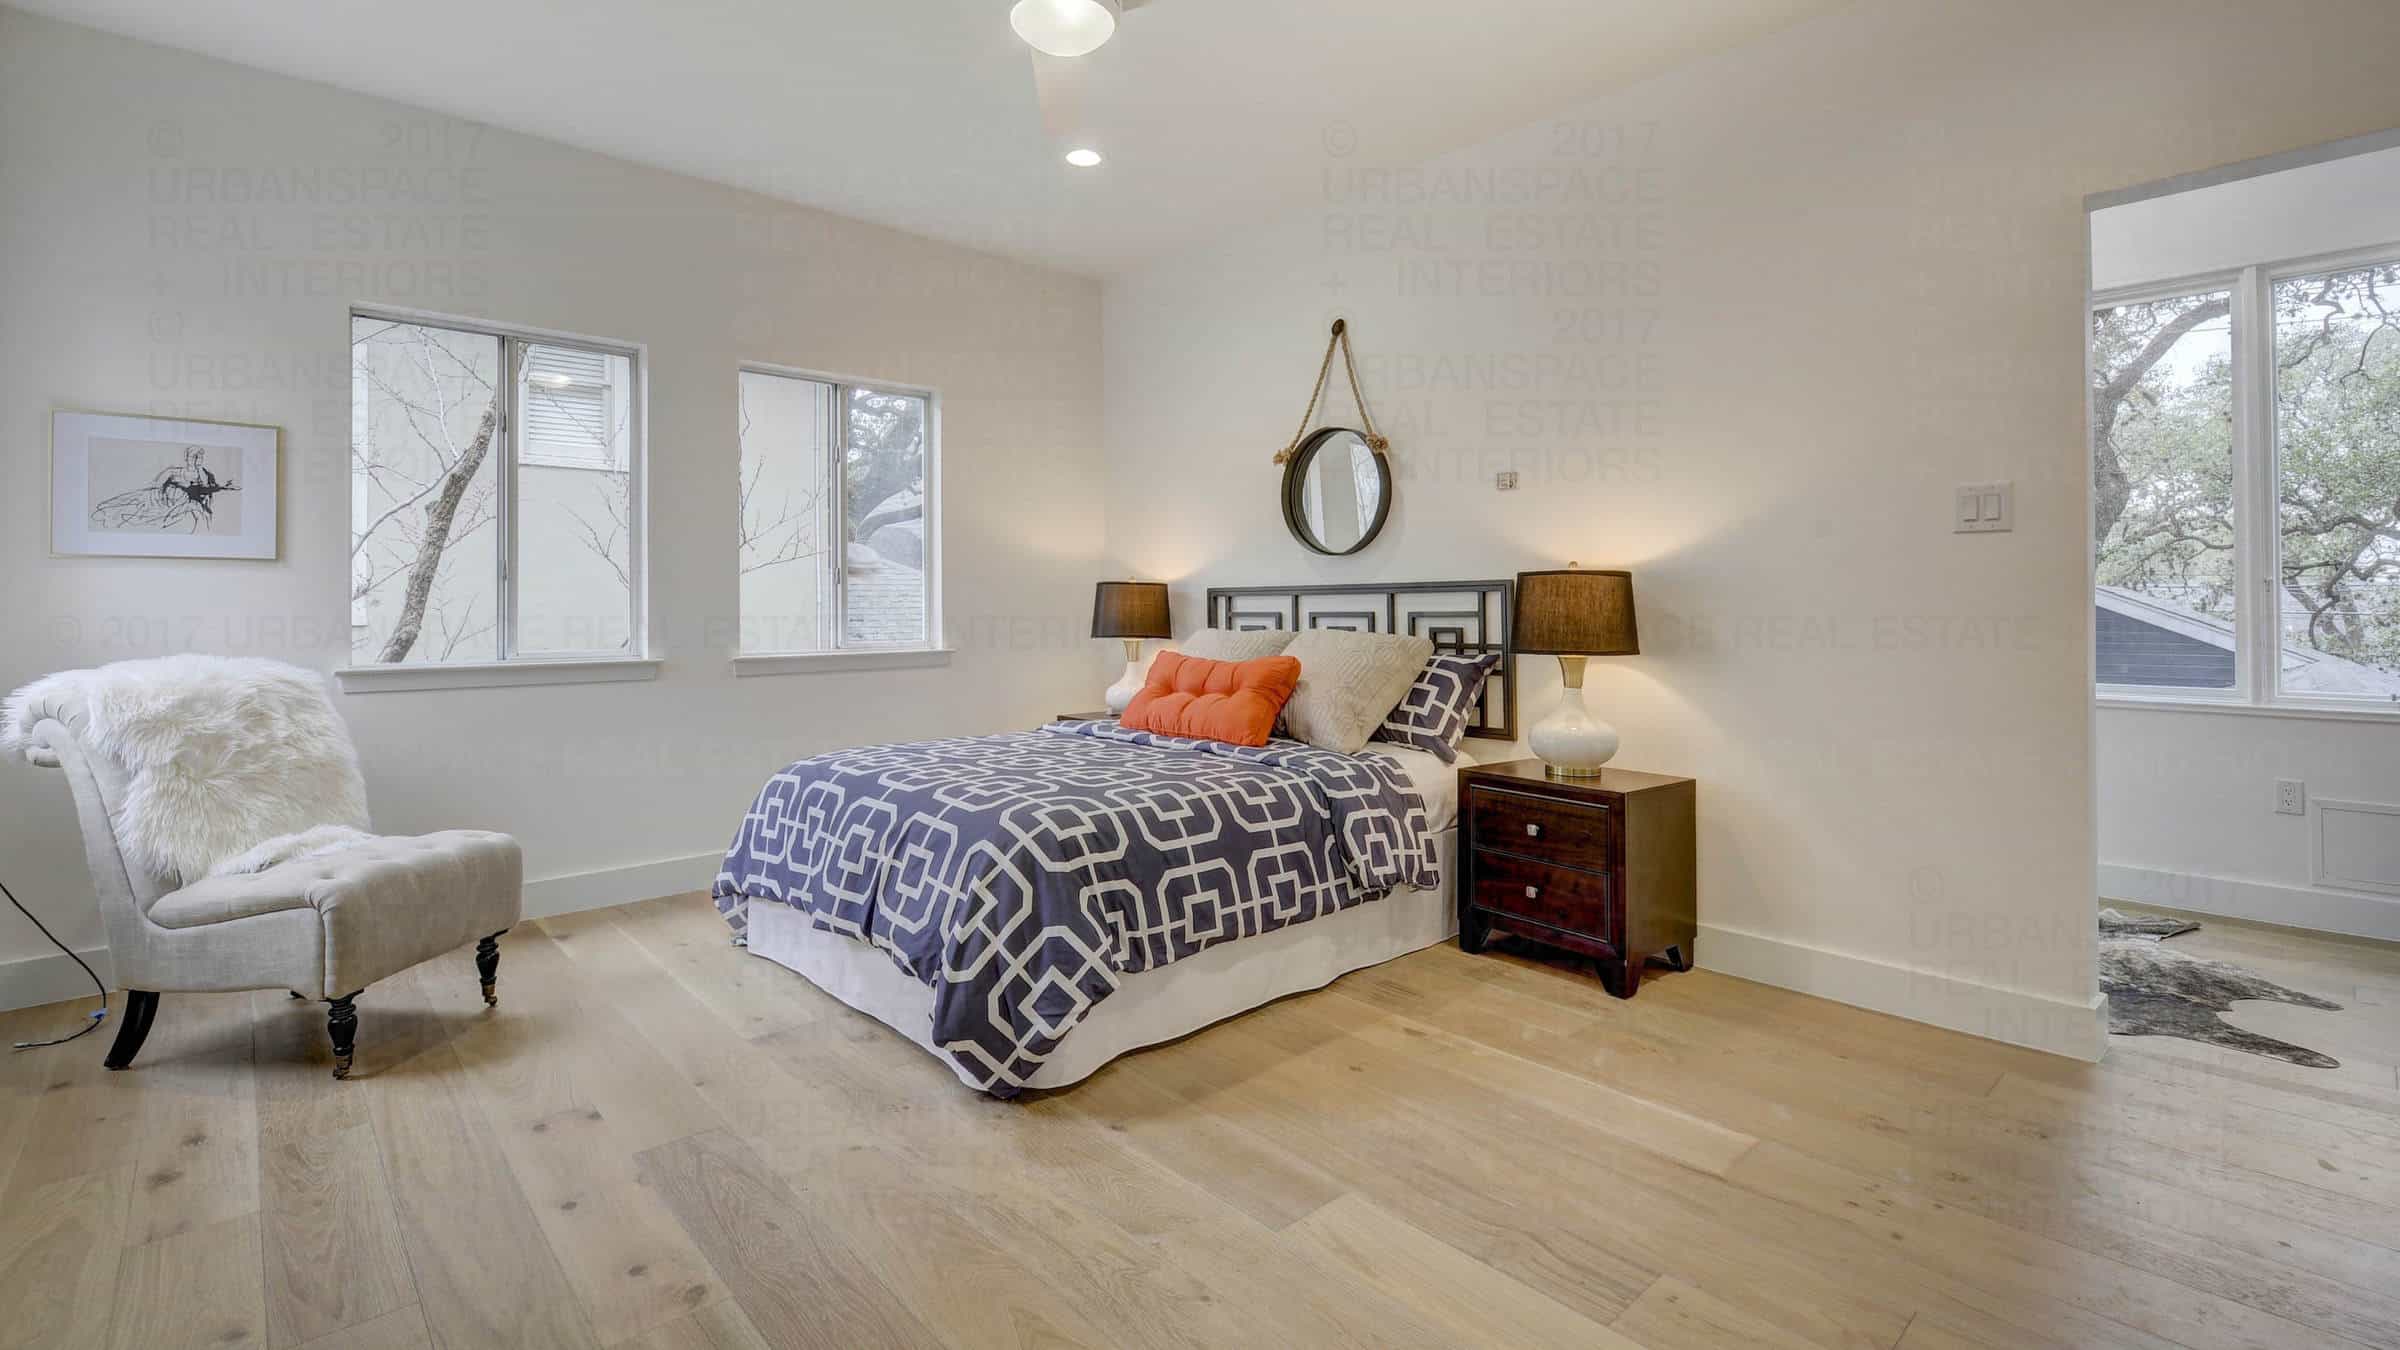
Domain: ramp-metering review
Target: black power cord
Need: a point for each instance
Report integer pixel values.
(97, 1017)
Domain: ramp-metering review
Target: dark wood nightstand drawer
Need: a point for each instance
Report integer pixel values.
(1572, 834)
(1561, 897)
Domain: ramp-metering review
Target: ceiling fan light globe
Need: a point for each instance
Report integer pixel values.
(1064, 27)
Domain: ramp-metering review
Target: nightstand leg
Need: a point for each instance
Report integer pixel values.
(1620, 978)
(1473, 933)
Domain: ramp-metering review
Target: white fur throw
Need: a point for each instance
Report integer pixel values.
(224, 756)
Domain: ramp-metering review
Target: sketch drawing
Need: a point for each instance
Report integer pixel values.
(183, 495)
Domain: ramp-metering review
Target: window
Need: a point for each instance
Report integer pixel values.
(493, 517)
(2246, 488)
(837, 547)
(2162, 492)
(2337, 481)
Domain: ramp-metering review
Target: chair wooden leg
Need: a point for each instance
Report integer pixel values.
(341, 1022)
(487, 965)
(141, 1005)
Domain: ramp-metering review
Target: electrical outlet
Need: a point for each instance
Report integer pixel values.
(2291, 797)
(1505, 480)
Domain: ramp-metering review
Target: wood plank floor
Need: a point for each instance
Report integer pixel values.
(659, 1141)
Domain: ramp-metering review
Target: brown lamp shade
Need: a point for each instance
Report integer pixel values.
(1130, 609)
(1576, 612)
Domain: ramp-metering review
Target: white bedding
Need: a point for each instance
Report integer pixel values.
(1170, 1001)
(1434, 781)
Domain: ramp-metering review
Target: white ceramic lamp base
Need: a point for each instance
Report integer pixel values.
(1571, 742)
(1129, 683)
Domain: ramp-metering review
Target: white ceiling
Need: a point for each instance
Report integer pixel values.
(924, 114)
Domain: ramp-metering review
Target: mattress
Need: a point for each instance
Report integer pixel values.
(1149, 1006)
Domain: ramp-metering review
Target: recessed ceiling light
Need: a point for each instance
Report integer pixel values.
(1084, 159)
(1064, 27)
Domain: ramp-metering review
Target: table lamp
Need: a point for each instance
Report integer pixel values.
(1132, 610)
(1574, 614)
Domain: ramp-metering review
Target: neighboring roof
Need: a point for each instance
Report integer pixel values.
(903, 543)
(2305, 669)
(906, 504)
(885, 599)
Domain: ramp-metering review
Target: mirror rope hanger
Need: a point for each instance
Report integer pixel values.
(1341, 338)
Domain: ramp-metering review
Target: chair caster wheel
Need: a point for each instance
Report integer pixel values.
(491, 996)
(341, 1067)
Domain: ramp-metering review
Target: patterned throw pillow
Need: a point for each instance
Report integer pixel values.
(1235, 644)
(1433, 713)
(1349, 682)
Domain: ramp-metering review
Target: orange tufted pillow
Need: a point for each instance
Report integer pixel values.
(1231, 701)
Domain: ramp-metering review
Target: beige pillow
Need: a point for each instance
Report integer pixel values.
(1231, 644)
(1348, 683)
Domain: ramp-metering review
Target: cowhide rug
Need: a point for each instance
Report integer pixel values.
(2154, 990)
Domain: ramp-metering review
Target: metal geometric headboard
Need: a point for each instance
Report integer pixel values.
(1462, 617)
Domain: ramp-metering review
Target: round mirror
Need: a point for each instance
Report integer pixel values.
(1336, 491)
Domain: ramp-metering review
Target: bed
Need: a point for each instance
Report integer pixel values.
(1031, 905)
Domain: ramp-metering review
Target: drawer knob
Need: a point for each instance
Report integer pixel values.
(1533, 830)
(1533, 892)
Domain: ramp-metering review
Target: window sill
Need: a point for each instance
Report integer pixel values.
(495, 674)
(2310, 711)
(825, 663)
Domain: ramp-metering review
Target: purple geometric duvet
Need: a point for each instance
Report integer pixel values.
(1020, 875)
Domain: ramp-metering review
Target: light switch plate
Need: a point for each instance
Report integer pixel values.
(1984, 508)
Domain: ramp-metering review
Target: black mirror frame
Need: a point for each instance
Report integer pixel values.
(1295, 518)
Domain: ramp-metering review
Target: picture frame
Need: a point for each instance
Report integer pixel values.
(127, 485)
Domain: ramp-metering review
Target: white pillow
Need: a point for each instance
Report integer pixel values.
(1236, 644)
(1349, 682)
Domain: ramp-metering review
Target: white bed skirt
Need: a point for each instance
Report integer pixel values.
(1150, 1006)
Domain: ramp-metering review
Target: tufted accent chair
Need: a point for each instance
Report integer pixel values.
(324, 927)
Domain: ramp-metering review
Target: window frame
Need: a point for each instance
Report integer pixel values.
(512, 663)
(2257, 479)
(833, 574)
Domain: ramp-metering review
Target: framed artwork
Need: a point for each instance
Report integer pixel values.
(124, 485)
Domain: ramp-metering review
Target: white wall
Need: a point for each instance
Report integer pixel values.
(183, 236)
(2188, 819)
(1742, 329)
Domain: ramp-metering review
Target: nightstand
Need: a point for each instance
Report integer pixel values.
(1598, 866)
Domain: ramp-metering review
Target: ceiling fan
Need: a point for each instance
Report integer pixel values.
(1060, 33)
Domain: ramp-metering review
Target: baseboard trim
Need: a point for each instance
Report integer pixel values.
(620, 885)
(2060, 1026)
(2351, 913)
(52, 977)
